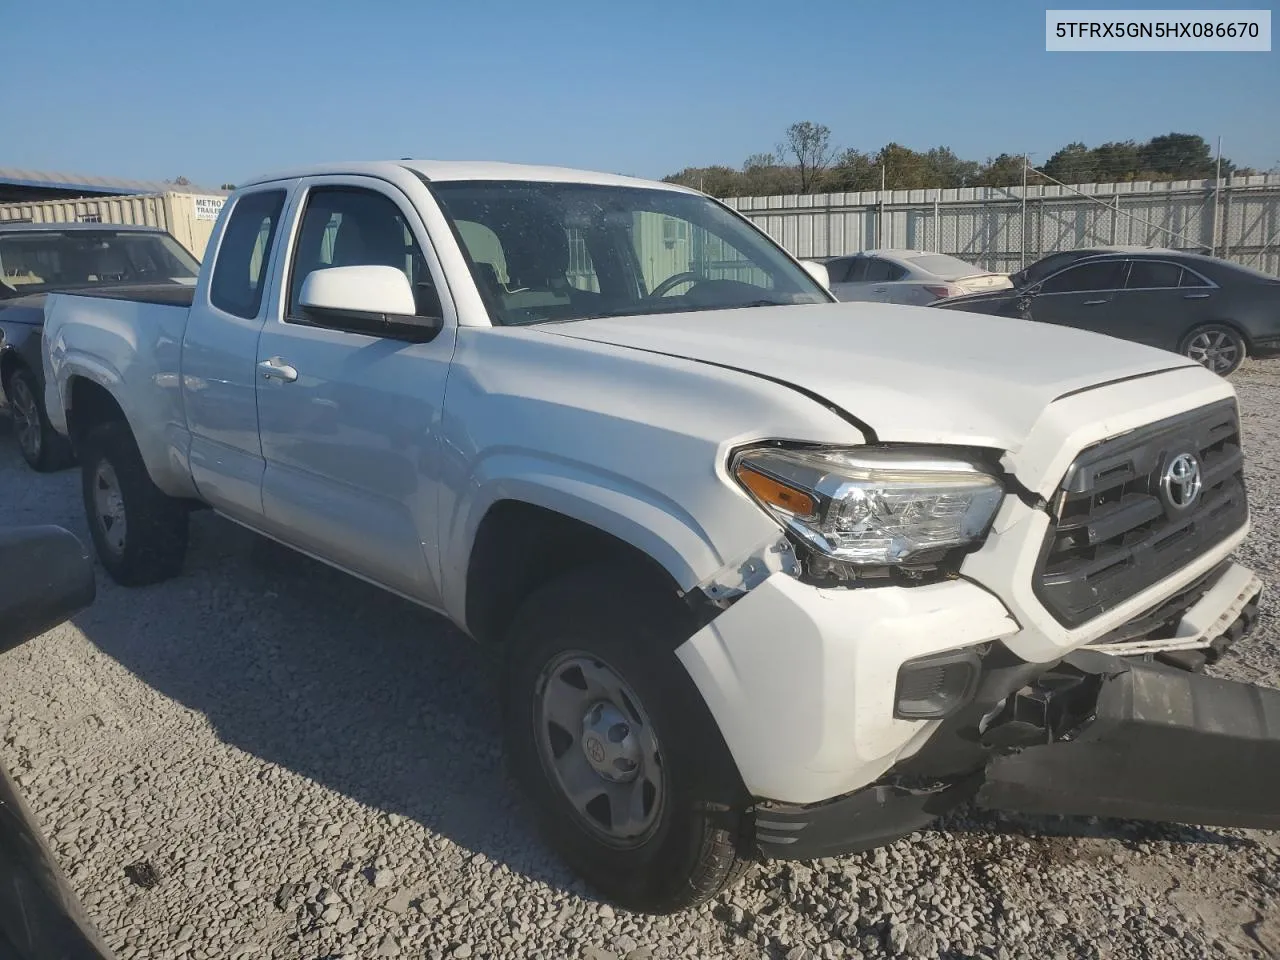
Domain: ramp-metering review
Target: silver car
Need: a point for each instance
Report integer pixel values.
(908, 276)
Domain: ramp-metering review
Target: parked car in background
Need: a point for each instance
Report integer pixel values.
(1210, 310)
(38, 258)
(907, 276)
(770, 574)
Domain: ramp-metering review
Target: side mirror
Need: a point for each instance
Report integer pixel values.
(818, 271)
(46, 577)
(367, 298)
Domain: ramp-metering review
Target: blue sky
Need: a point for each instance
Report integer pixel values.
(220, 91)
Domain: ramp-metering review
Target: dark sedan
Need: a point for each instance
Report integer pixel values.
(37, 259)
(1211, 310)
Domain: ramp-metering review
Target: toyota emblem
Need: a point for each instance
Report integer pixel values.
(1181, 482)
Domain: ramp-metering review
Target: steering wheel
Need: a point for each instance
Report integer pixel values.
(669, 284)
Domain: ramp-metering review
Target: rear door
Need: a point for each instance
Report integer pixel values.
(884, 277)
(350, 420)
(1082, 296)
(1161, 301)
(847, 275)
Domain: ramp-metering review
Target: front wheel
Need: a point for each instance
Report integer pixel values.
(139, 532)
(1219, 347)
(627, 773)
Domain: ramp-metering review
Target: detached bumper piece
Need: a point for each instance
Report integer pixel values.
(1096, 735)
(1103, 737)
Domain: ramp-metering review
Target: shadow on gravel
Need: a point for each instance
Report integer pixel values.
(336, 680)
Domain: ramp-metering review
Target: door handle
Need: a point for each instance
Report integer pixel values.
(277, 369)
(1092, 303)
(1195, 296)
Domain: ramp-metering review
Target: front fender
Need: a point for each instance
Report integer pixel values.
(636, 514)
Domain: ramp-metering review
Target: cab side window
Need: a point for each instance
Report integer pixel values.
(239, 273)
(351, 226)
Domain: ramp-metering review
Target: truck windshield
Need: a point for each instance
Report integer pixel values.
(38, 261)
(544, 252)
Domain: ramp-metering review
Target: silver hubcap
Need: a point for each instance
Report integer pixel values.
(598, 746)
(1215, 349)
(26, 418)
(109, 507)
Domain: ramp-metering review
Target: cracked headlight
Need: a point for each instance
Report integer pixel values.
(872, 507)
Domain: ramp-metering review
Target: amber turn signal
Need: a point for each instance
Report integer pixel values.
(775, 494)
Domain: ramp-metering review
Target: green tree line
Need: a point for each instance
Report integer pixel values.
(806, 161)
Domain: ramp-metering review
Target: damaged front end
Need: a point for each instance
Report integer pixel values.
(1099, 736)
(1093, 735)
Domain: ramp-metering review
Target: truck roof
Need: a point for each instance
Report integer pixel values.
(445, 170)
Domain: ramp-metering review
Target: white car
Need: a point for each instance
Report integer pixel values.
(771, 575)
(908, 276)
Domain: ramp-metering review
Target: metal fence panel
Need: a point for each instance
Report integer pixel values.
(992, 227)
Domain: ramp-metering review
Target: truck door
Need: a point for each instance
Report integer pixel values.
(349, 421)
(219, 379)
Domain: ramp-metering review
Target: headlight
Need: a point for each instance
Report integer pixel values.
(869, 506)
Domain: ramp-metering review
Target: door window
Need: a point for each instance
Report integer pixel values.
(1192, 279)
(239, 273)
(352, 226)
(1153, 275)
(882, 271)
(1086, 278)
(857, 270)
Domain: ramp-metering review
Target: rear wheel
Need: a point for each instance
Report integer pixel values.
(139, 532)
(626, 770)
(42, 447)
(1219, 347)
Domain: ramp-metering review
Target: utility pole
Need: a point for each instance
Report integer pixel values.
(1217, 190)
(880, 218)
(1023, 242)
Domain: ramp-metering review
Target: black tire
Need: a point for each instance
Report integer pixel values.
(151, 545)
(1219, 347)
(697, 844)
(44, 449)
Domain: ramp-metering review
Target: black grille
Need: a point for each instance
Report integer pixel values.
(1115, 533)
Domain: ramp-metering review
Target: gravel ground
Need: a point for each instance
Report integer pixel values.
(264, 758)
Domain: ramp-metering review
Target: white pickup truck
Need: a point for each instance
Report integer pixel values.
(774, 575)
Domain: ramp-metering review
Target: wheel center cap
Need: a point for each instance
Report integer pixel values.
(609, 743)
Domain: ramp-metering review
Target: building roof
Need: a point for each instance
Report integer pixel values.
(445, 170)
(92, 186)
(54, 226)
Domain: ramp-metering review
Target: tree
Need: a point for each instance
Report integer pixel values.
(764, 176)
(180, 182)
(854, 171)
(904, 168)
(1002, 171)
(948, 170)
(1116, 162)
(1178, 156)
(810, 146)
(718, 181)
(1072, 164)
(227, 186)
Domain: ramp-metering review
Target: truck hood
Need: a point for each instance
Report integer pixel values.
(910, 374)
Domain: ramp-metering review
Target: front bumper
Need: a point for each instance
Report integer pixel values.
(1095, 735)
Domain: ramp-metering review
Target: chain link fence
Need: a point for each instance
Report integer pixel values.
(998, 229)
